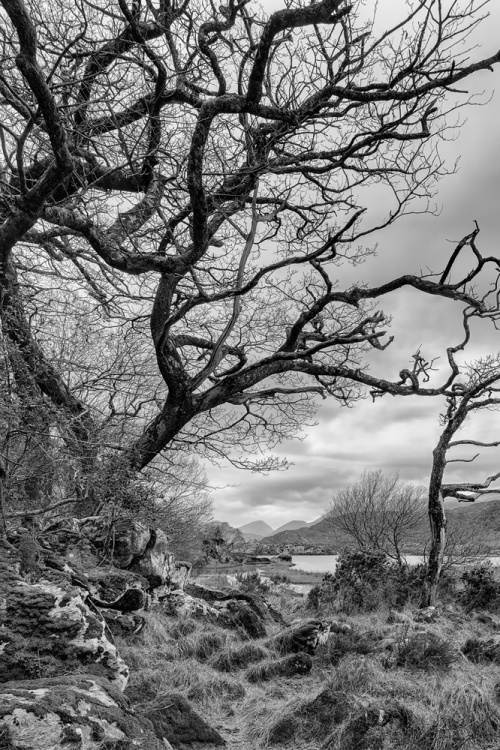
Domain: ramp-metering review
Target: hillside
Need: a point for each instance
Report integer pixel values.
(291, 526)
(482, 520)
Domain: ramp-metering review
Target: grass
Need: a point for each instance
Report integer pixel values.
(380, 686)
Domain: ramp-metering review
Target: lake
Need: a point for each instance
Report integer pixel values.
(328, 563)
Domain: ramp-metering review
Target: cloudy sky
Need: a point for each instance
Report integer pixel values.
(397, 434)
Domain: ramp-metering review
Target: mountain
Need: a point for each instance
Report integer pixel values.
(474, 521)
(257, 528)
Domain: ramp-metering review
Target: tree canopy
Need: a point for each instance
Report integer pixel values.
(179, 185)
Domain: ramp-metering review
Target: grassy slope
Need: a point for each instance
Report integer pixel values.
(447, 709)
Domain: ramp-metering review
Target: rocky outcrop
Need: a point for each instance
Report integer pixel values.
(72, 712)
(61, 595)
(126, 544)
(66, 592)
(47, 628)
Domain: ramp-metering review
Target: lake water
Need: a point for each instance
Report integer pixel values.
(328, 563)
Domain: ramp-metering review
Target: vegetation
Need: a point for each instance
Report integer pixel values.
(379, 512)
(434, 685)
(482, 590)
(179, 184)
(364, 579)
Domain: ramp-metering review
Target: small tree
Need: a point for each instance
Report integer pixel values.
(473, 387)
(378, 512)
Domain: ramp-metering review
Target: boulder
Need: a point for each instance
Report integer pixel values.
(174, 719)
(222, 582)
(241, 615)
(72, 712)
(300, 637)
(293, 664)
(47, 628)
(373, 726)
(260, 606)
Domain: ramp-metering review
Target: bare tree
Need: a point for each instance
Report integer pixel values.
(379, 512)
(200, 171)
(472, 388)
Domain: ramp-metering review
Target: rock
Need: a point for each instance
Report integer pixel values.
(285, 557)
(181, 574)
(222, 582)
(210, 595)
(301, 637)
(339, 627)
(262, 608)
(428, 614)
(239, 614)
(123, 624)
(180, 604)
(77, 711)
(47, 628)
(399, 617)
(117, 589)
(373, 727)
(156, 563)
(293, 664)
(174, 719)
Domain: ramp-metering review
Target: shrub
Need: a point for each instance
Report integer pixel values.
(322, 593)
(482, 651)
(279, 578)
(365, 579)
(426, 651)
(481, 589)
(252, 583)
(359, 579)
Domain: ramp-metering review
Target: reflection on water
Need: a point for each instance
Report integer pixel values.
(328, 563)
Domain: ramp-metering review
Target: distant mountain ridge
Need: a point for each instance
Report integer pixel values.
(483, 520)
(257, 530)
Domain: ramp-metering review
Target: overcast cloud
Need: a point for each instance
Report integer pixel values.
(397, 434)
